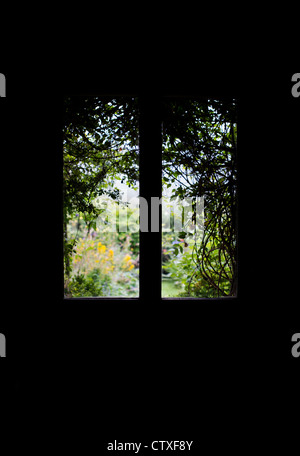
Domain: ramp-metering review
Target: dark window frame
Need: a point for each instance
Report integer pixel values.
(150, 181)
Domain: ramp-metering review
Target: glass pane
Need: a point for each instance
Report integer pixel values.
(199, 231)
(101, 214)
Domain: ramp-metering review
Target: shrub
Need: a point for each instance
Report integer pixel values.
(103, 264)
(82, 285)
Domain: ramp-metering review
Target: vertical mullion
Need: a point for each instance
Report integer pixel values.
(150, 187)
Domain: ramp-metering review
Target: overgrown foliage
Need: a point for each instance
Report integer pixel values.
(99, 143)
(199, 155)
(103, 263)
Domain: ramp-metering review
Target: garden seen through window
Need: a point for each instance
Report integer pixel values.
(105, 214)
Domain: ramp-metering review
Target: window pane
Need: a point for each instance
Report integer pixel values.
(199, 232)
(101, 215)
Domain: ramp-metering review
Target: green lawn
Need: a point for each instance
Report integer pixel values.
(169, 289)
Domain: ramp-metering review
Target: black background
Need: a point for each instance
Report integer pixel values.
(92, 372)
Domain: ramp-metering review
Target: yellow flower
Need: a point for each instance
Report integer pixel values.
(111, 253)
(131, 267)
(101, 248)
(127, 258)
